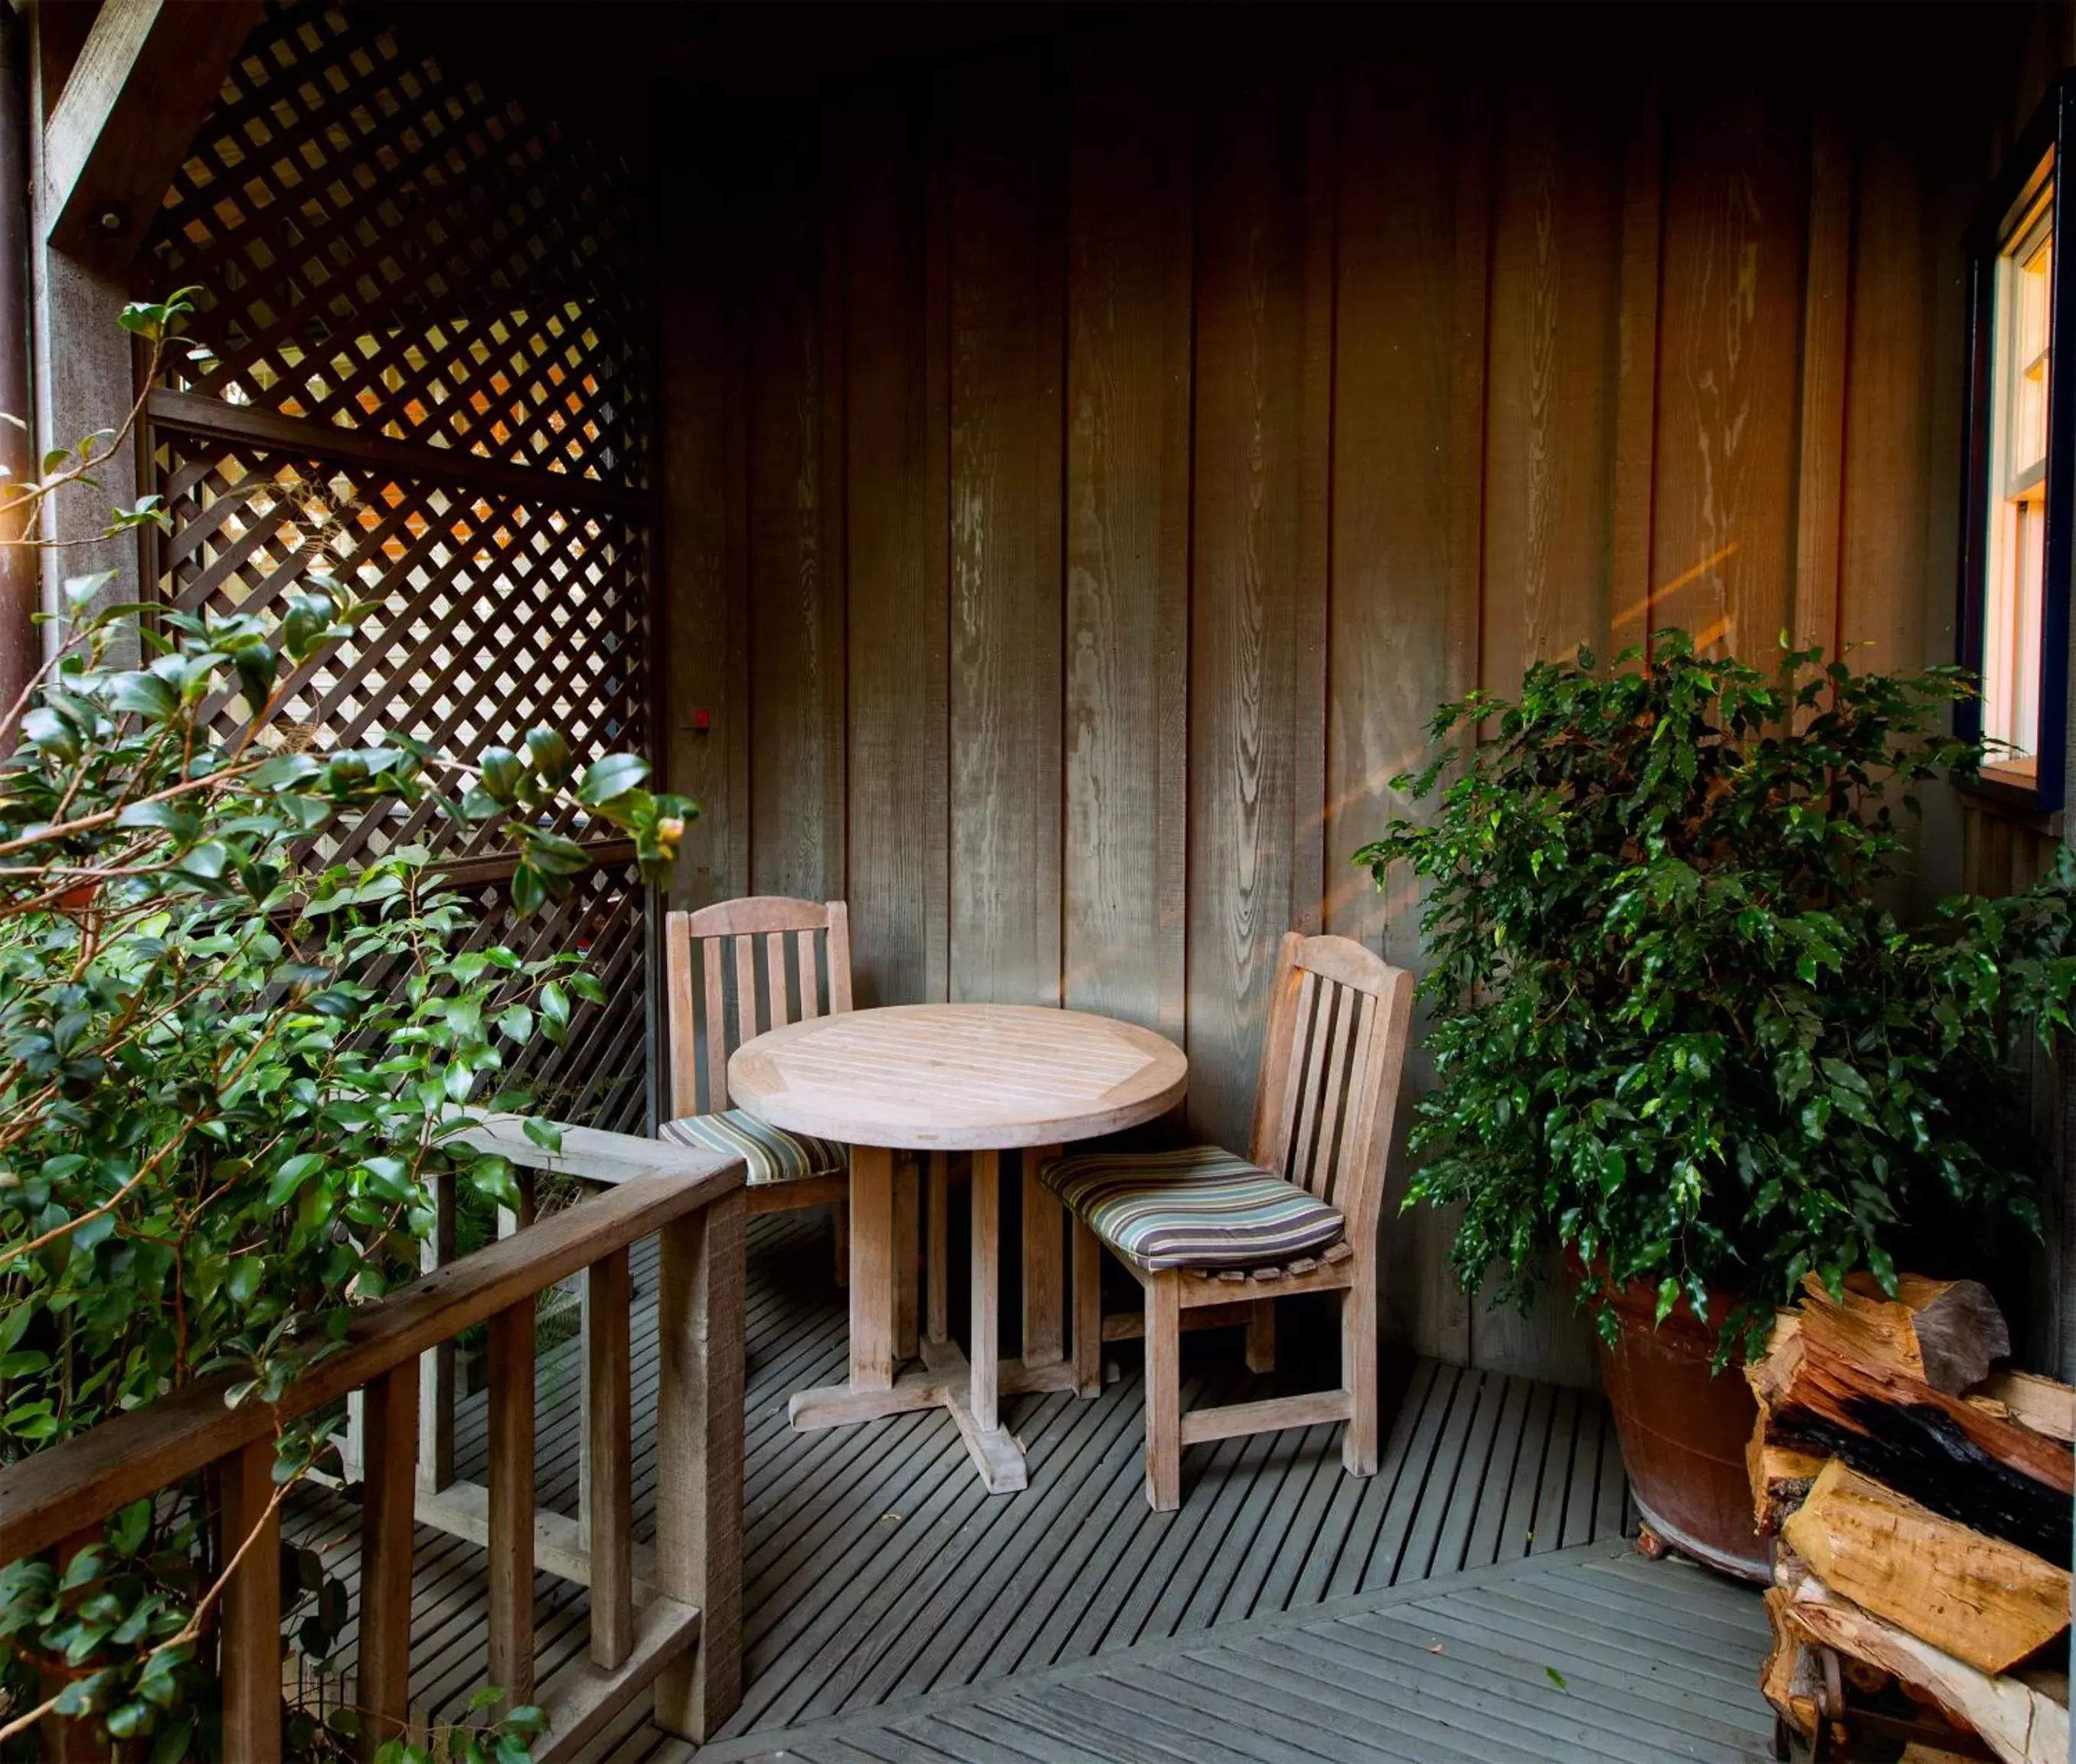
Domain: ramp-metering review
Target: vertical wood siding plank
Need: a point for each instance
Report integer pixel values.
(790, 748)
(693, 544)
(1636, 398)
(1127, 536)
(1550, 414)
(833, 545)
(1409, 354)
(934, 150)
(1896, 356)
(896, 560)
(732, 635)
(1250, 293)
(1311, 861)
(1005, 491)
(1550, 441)
(1827, 301)
(1723, 526)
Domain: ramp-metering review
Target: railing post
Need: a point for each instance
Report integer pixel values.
(609, 1451)
(388, 1504)
(251, 1635)
(699, 1460)
(436, 1366)
(511, 1566)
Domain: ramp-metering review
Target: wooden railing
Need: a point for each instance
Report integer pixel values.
(683, 1637)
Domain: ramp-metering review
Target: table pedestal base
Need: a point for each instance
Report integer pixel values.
(944, 1380)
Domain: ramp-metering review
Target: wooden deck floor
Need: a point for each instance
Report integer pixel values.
(883, 1587)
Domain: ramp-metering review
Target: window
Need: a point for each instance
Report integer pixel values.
(2021, 342)
(2022, 449)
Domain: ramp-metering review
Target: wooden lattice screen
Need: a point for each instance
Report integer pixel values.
(423, 372)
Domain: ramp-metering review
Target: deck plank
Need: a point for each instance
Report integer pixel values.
(894, 1612)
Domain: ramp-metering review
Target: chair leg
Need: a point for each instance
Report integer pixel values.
(1359, 1445)
(1088, 1311)
(840, 1213)
(1164, 1392)
(1261, 1336)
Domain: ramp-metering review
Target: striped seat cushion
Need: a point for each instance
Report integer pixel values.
(1199, 1207)
(771, 1154)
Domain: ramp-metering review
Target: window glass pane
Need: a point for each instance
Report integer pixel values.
(2022, 345)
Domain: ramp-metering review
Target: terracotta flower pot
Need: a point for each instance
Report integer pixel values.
(1684, 1432)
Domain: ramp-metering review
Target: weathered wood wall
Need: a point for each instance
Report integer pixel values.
(1092, 454)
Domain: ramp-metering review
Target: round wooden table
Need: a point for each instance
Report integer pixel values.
(941, 1078)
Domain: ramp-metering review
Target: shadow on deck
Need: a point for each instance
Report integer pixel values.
(893, 1610)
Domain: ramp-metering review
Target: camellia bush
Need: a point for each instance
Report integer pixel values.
(1677, 1030)
(230, 1070)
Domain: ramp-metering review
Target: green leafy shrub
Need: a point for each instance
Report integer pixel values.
(1675, 1029)
(229, 1074)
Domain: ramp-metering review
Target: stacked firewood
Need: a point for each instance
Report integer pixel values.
(1919, 1504)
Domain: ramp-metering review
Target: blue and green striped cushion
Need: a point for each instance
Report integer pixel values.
(1199, 1207)
(771, 1154)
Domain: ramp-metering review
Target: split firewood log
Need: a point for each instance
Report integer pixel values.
(1948, 1333)
(2017, 1723)
(1790, 1678)
(2042, 1404)
(1981, 1599)
(1942, 1451)
(1781, 1477)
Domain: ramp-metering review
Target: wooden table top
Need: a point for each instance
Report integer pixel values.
(963, 1078)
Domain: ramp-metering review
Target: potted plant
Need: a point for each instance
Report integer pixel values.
(1681, 1037)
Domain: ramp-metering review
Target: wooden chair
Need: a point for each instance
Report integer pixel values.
(804, 963)
(1217, 1240)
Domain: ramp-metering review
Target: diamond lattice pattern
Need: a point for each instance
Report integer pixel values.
(383, 245)
(483, 613)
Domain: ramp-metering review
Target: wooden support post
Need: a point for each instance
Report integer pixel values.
(937, 1327)
(1044, 1296)
(608, 1406)
(906, 1249)
(872, 1240)
(1088, 1312)
(508, 1221)
(69, 1741)
(387, 1515)
(511, 1566)
(251, 1638)
(141, 85)
(353, 1442)
(984, 1345)
(436, 1367)
(699, 1460)
(1261, 1336)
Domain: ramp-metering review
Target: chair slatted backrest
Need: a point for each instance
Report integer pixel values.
(749, 966)
(1340, 1018)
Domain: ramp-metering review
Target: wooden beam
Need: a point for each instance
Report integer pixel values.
(213, 420)
(141, 86)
